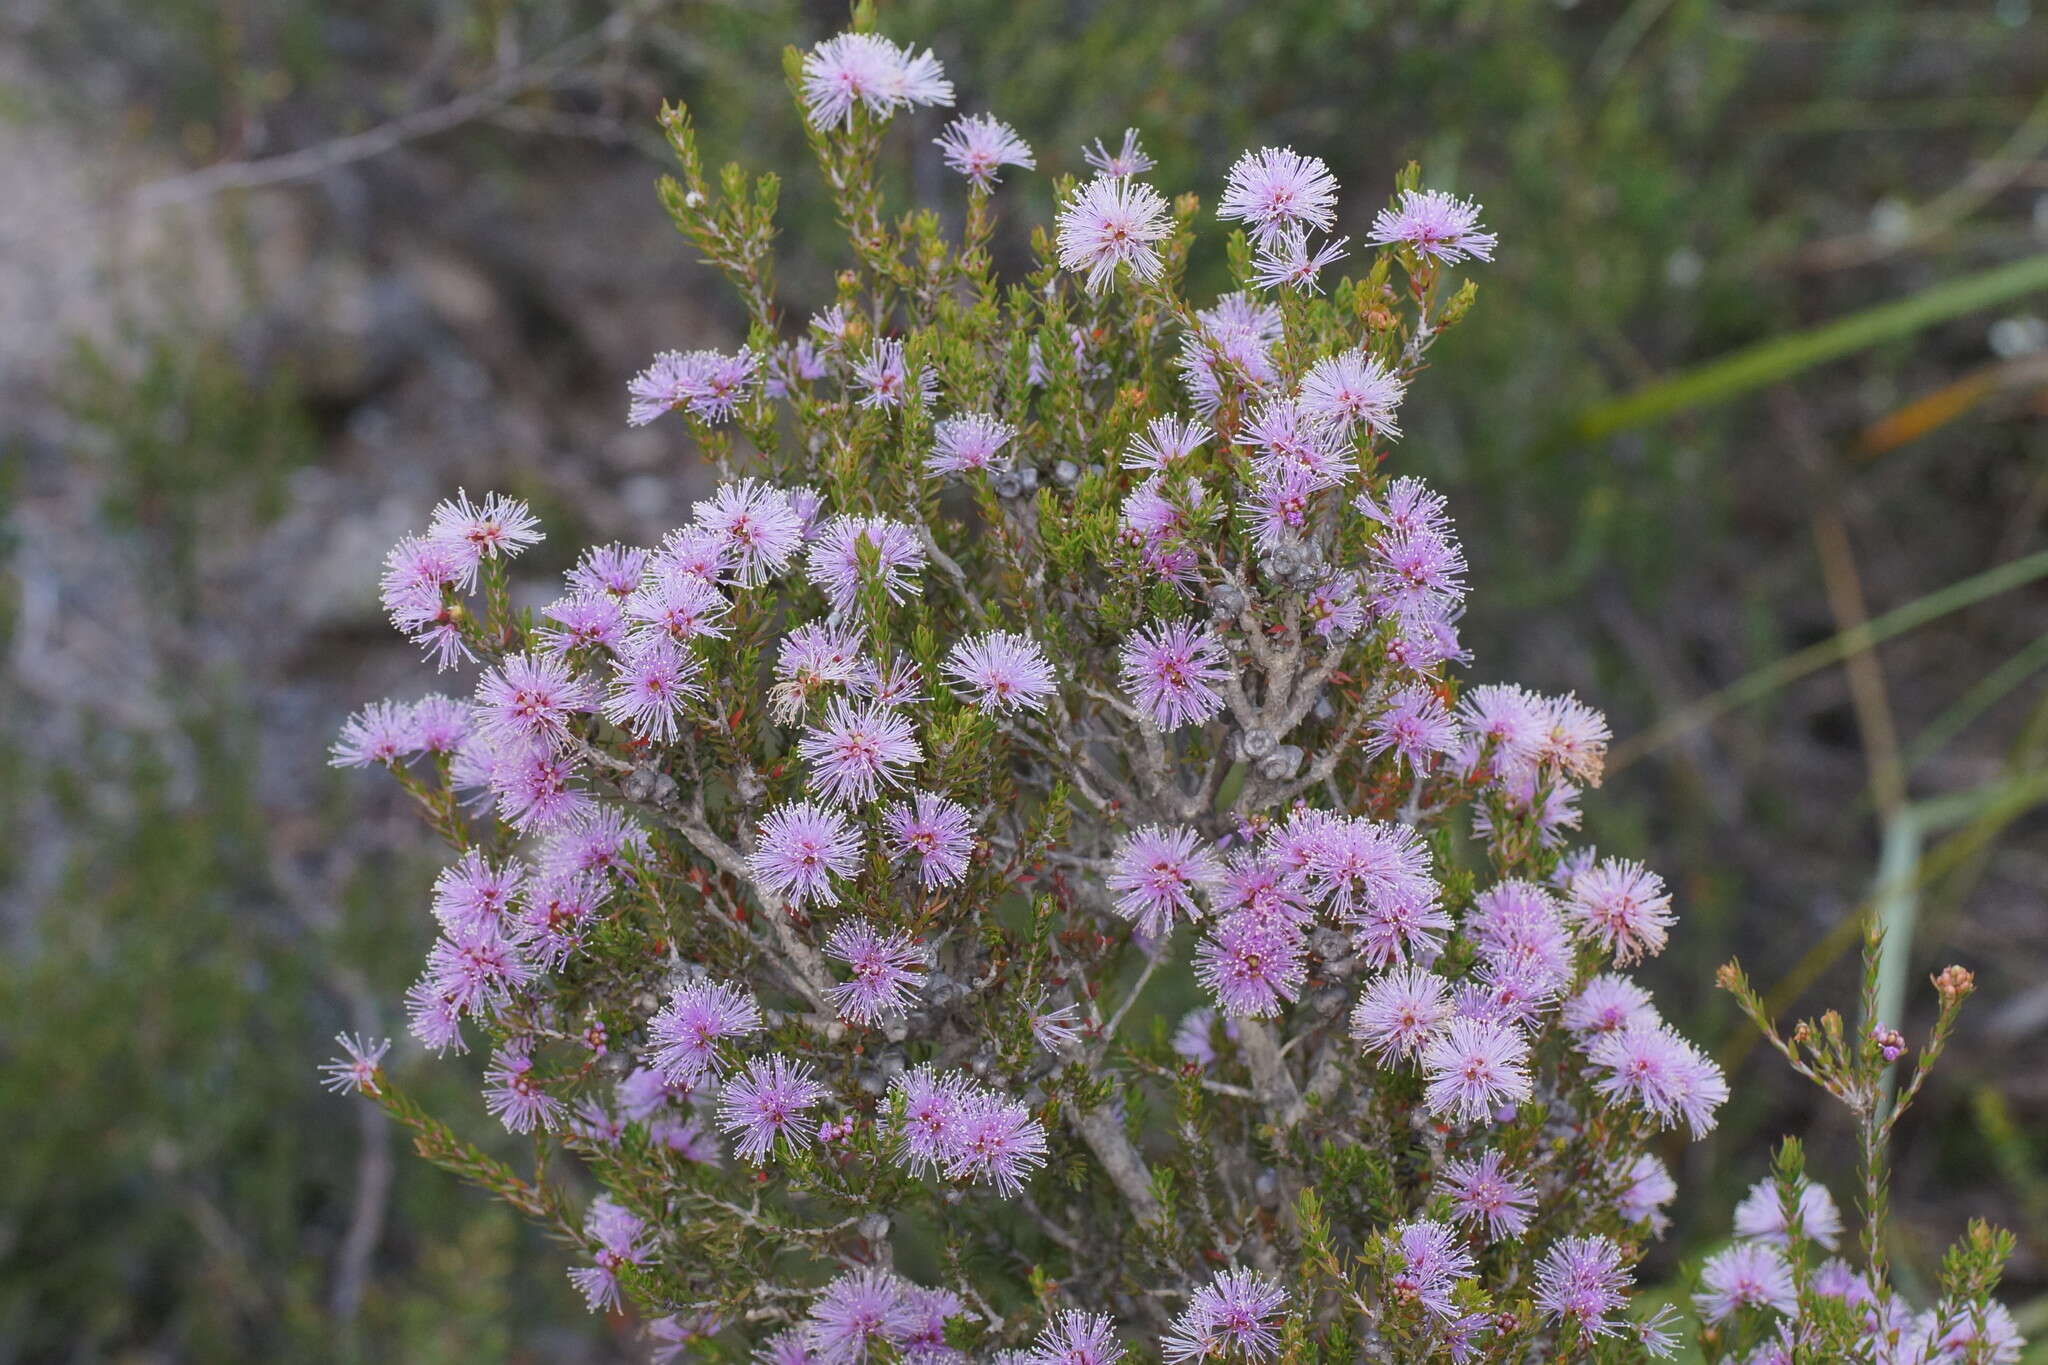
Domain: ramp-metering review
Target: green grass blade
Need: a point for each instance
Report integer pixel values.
(1780, 358)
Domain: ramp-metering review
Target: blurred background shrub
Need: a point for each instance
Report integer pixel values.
(277, 275)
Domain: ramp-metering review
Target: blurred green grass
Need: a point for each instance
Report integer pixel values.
(1660, 172)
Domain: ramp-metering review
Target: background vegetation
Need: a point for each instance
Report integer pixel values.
(276, 276)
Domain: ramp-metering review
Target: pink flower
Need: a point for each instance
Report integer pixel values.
(615, 569)
(1575, 738)
(1430, 1262)
(684, 1036)
(1166, 441)
(1252, 967)
(1661, 1073)
(863, 70)
(1354, 863)
(584, 620)
(1646, 1187)
(651, 683)
(1400, 1011)
(1076, 1338)
(501, 526)
(706, 384)
(1760, 1217)
(1169, 671)
(513, 1094)
(858, 1311)
(554, 910)
(888, 971)
(769, 1102)
(810, 659)
(977, 145)
(935, 831)
(531, 697)
(1290, 437)
(934, 1107)
(759, 527)
(856, 751)
(969, 442)
(1056, 1030)
(1623, 907)
(1583, 1280)
(1002, 671)
(1606, 1003)
(1415, 727)
(1356, 389)
(1474, 1067)
(618, 1238)
(885, 374)
(418, 576)
(382, 733)
(1746, 1275)
(679, 605)
(1436, 226)
(996, 1140)
(1276, 188)
(1509, 721)
(1416, 569)
(1287, 260)
(802, 846)
(1111, 223)
(357, 1069)
(1234, 1312)
(473, 894)
(1130, 159)
(1154, 875)
(1485, 1193)
(834, 562)
(1278, 508)
(605, 840)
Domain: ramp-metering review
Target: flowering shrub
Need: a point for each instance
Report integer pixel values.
(1045, 639)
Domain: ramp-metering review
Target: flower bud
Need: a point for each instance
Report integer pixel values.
(1954, 983)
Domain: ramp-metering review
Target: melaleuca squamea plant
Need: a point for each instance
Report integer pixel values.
(1041, 640)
